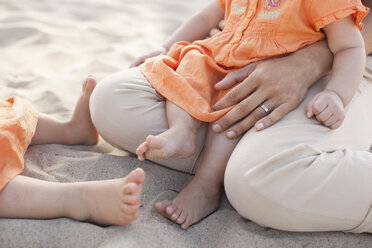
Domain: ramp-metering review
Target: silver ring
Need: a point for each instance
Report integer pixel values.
(265, 108)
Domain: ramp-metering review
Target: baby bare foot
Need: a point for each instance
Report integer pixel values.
(198, 200)
(80, 128)
(175, 142)
(110, 202)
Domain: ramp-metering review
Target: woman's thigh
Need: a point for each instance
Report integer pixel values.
(125, 109)
(299, 175)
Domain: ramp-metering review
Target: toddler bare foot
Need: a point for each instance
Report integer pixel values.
(175, 142)
(193, 203)
(81, 128)
(110, 202)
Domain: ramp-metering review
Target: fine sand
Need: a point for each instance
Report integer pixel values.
(47, 48)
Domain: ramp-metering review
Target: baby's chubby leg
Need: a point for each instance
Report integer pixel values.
(109, 202)
(201, 196)
(179, 141)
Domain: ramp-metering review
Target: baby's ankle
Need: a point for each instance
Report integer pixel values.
(69, 133)
(209, 183)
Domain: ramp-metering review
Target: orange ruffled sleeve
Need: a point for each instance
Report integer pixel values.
(324, 12)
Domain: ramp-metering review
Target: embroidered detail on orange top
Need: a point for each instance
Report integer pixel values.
(238, 9)
(270, 15)
(270, 4)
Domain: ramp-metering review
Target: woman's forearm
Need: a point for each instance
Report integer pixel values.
(198, 26)
(315, 60)
(367, 31)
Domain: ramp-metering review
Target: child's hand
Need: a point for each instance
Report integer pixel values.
(142, 59)
(328, 108)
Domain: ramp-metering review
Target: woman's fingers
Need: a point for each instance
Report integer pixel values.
(242, 126)
(240, 111)
(236, 95)
(229, 81)
(278, 83)
(276, 114)
(235, 77)
(247, 84)
(249, 121)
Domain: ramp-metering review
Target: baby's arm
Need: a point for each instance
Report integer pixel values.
(346, 43)
(196, 28)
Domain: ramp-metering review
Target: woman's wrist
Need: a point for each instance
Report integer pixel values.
(314, 60)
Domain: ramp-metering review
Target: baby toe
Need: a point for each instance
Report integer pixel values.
(176, 214)
(181, 219)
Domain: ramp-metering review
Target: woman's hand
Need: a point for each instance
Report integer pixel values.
(279, 83)
(141, 59)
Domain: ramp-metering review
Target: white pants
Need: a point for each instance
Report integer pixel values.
(297, 175)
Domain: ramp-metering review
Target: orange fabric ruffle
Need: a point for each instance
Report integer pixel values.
(358, 11)
(18, 122)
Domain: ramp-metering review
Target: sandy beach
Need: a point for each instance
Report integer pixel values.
(47, 48)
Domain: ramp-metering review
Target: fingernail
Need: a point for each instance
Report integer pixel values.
(217, 128)
(259, 126)
(308, 114)
(214, 108)
(231, 134)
